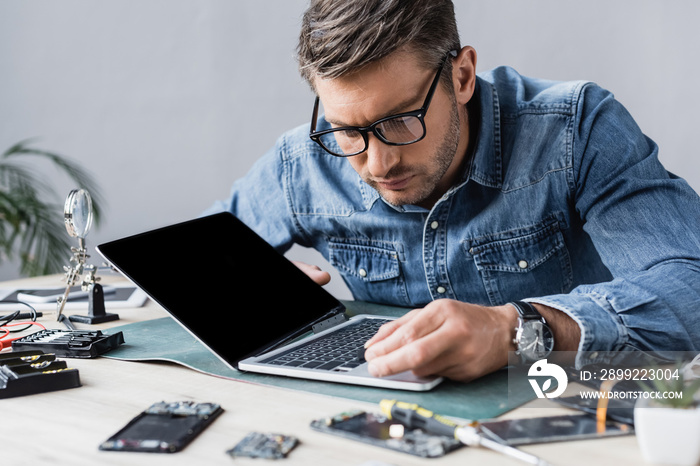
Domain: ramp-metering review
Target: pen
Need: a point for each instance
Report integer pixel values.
(414, 416)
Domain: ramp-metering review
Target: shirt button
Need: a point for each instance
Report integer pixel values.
(362, 272)
(441, 289)
(434, 225)
(522, 264)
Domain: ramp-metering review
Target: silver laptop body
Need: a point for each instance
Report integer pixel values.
(209, 294)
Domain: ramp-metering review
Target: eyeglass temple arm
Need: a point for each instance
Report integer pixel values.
(314, 116)
(431, 91)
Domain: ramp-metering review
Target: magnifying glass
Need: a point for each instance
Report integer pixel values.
(77, 214)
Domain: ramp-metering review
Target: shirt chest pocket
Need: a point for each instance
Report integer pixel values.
(532, 262)
(371, 269)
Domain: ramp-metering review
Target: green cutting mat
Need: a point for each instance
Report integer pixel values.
(165, 340)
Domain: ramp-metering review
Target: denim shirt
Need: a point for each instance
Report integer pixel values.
(564, 203)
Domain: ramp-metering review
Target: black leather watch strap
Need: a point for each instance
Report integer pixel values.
(526, 310)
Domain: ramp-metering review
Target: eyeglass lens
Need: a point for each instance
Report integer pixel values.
(399, 130)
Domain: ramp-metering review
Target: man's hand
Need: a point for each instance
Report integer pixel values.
(457, 340)
(460, 341)
(314, 272)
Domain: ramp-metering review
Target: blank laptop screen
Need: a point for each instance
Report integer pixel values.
(221, 281)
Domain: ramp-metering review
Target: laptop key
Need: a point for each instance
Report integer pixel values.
(330, 365)
(313, 364)
(296, 363)
(339, 352)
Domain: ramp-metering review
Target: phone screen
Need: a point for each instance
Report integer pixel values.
(551, 429)
(164, 427)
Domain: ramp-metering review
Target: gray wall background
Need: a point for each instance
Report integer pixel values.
(167, 102)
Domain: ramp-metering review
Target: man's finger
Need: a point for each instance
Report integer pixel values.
(424, 351)
(413, 327)
(314, 272)
(389, 328)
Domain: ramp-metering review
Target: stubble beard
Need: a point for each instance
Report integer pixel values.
(428, 190)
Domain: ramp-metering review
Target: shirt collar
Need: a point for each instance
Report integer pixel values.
(486, 167)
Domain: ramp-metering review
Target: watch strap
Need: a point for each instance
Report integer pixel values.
(526, 310)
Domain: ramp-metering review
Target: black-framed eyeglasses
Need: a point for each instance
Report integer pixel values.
(395, 130)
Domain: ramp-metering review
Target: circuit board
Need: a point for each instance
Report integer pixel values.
(378, 430)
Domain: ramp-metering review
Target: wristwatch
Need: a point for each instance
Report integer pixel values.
(533, 337)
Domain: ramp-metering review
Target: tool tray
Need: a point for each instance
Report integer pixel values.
(29, 372)
(70, 343)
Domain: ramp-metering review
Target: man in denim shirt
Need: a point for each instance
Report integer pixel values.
(429, 186)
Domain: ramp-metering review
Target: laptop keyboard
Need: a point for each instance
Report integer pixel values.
(338, 351)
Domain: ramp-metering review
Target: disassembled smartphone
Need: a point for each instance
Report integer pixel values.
(550, 429)
(164, 427)
(378, 430)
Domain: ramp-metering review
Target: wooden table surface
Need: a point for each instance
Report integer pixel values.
(67, 426)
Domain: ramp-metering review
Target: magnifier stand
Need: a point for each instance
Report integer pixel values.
(96, 301)
(77, 215)
(96, 308)
(96, 297)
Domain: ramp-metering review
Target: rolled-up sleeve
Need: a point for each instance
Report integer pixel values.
(645, 224)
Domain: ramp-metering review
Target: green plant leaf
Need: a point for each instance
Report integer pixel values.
(74, 171)
(31, 222)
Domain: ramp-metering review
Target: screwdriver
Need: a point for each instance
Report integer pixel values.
(415, 417)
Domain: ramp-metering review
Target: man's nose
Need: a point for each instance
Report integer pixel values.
(381, 158)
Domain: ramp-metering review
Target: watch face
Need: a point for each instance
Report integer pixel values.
(536, 341)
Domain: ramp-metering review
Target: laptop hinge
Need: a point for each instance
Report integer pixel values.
(329, 323)
(337, 316)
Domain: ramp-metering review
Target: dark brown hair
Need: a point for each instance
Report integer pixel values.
(339, 37)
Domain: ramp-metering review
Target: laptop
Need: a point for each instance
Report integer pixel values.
(246, 302)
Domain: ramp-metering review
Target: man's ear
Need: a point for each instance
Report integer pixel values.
(464, 74)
